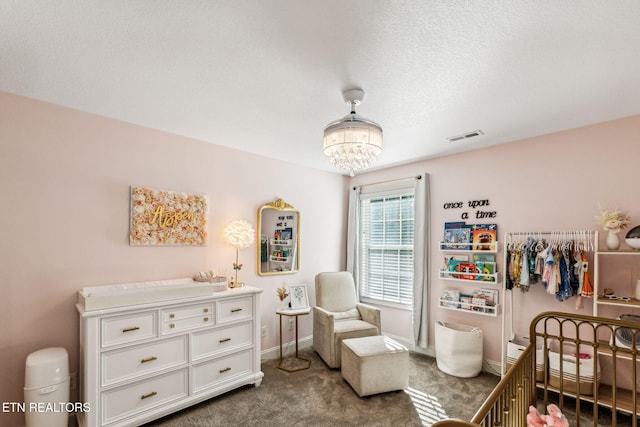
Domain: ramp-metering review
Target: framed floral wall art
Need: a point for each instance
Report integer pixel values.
(161, 217)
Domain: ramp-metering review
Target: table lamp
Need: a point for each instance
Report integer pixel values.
(240, 234)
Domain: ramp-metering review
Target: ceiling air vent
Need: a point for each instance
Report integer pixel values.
(466, 135)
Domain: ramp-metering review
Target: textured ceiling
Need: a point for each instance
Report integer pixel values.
(266, 76)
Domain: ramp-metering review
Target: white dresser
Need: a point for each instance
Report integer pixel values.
(141, 362)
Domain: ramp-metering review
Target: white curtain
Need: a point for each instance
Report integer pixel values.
(353, 236)
(421, 257)
(421, 263)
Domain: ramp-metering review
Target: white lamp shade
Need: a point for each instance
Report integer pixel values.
(239, 233)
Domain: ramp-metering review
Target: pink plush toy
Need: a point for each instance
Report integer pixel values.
(554, 419)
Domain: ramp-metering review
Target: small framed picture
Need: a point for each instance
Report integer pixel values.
(299, 297)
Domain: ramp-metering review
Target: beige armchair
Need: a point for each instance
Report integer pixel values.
(338, 315)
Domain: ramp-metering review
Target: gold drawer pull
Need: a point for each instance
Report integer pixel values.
(222, 371)
(206, 310)
(171, 316)
(171, 325)
(135, 328)
(206, 319)
(233, 310)
(150, 359)
(225, 340)
(145, 396)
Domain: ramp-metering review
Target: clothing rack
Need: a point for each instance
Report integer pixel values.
(585, 238)
(551, 232)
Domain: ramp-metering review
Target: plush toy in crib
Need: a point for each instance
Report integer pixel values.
(554, 419)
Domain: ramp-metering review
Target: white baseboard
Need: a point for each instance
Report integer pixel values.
(430, 351)
(288, 348)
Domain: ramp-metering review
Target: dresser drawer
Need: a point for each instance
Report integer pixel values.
(227, 338)
(118, 365)
(128, 329)
(143, 395)
(186, 312)
(234, 309)
(181, 325)
(218, 371)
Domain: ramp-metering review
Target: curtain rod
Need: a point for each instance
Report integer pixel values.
(390, 180)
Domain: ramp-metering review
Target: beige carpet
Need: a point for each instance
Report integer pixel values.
(320, 397)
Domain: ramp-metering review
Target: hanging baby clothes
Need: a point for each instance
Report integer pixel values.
(548, 275)
(517, 266)
(560, 265)
(564, 289)
(542, 251)
(535, 271)
(587, 284)
(524, 268)
(577, 272)
(509, 269)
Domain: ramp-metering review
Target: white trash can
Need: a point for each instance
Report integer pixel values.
(46, 388)
(458, 349)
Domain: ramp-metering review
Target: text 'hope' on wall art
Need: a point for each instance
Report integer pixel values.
(160, 217)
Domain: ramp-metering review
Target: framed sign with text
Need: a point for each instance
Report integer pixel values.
(172, 218)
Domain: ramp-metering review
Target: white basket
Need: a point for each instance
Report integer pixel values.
(458, 349)
(517, 345)
(569, 373)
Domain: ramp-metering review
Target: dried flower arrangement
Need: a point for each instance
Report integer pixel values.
(282, 292)
(613, 220)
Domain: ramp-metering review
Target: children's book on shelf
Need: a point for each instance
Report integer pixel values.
(478, 304)
(491, 294)
(467, 267)
(448, 233)
(456, 236)
(461, 268)
(493, 227)
(454, 266)
(467, 300)
(485, 271)
(448, 259)
(490, 298)
(450, 295)
(483, 258)
(484, 236)
(483, 240)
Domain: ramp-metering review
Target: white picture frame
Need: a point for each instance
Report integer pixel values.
(298, 296)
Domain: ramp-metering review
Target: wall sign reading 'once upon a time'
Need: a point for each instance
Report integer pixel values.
(160, 217)
(473, 204)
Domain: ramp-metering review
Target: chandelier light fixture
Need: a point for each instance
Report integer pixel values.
(353, 142)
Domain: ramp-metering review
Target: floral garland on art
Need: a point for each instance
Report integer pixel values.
(160, 217)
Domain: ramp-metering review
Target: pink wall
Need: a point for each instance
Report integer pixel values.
(65, 209)
(552, 182)
(65, 215)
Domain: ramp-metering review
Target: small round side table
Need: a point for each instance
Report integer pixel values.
(307, 363)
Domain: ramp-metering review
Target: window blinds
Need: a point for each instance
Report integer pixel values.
(387, 240)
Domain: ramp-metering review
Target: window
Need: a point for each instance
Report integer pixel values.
(386, 224)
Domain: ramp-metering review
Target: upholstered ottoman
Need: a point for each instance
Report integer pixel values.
(375, 364)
